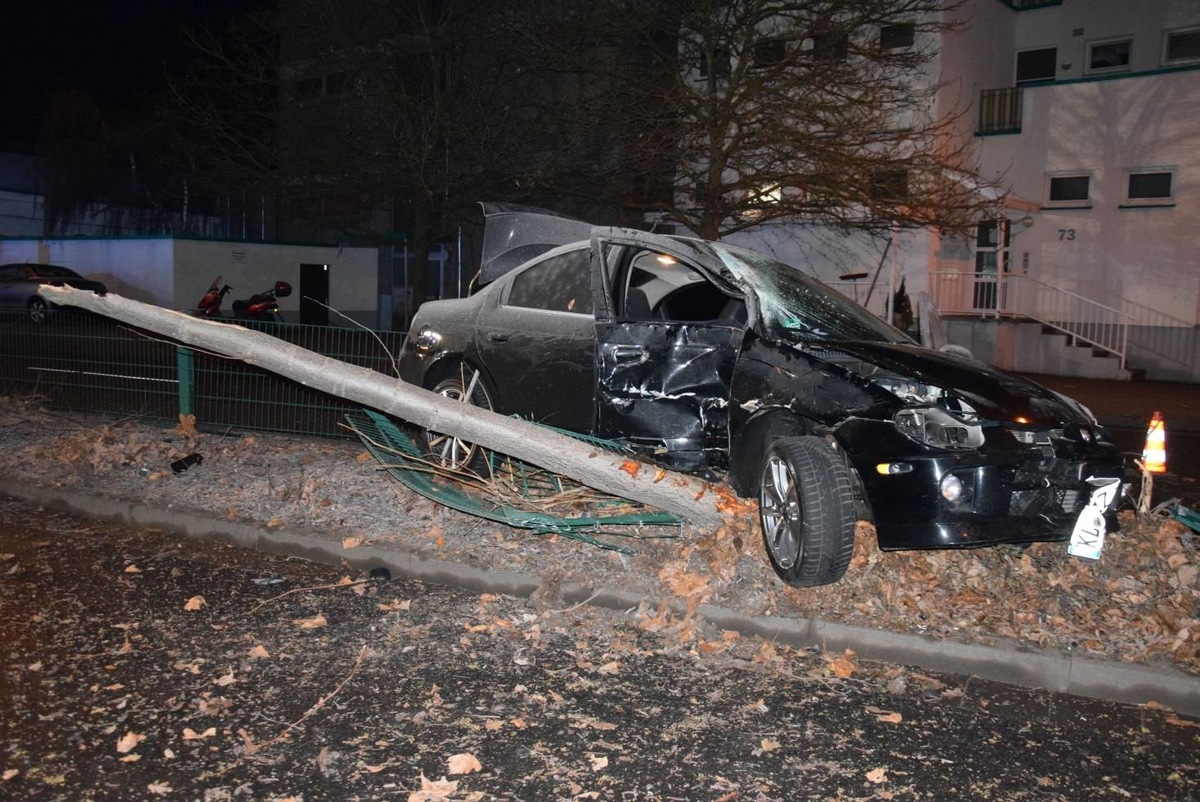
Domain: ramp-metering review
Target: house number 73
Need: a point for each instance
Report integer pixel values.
(1066, 234)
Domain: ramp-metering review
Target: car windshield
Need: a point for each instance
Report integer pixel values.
(793, 302)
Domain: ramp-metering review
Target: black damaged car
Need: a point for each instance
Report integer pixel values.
(720, 361)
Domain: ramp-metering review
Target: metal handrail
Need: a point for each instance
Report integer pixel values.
(1016, 295)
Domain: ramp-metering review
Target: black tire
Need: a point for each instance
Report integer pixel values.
(38, 309)
(453, 453)
(806, 509)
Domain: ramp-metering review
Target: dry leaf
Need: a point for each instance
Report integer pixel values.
(352, 541)
(129, 741)
(885, 716)
(227, 679)
(132, 569)
(191, 735)
(843, 665)
(9, 774)
(599, 762)
(161, 789)
(493, 724)
(770, 745)
(315, 622)
(258, 652)
(463, 763)
(133, 758)
(434, 790)
(195, 603)
(877, 775)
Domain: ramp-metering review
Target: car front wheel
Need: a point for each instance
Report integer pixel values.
(39, 310)
(806, 508)
(451, 452)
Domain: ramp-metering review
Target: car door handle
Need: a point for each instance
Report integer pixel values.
(497, 337)
(629, 353)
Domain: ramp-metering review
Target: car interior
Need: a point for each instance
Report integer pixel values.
(659, 287)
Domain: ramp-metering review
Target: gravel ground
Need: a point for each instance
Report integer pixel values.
(1139, 603)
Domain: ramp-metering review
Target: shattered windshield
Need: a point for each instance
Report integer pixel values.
(796, 303)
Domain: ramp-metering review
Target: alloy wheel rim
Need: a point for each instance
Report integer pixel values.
(779, 508)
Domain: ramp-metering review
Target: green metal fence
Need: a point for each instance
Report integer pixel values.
(88, 363)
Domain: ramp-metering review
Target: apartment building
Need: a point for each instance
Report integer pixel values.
(1087, 113)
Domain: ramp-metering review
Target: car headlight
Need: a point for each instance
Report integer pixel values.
(933, 426)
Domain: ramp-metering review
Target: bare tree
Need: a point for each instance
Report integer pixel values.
(821, 111)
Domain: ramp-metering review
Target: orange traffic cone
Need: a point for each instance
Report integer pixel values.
(1154, 455)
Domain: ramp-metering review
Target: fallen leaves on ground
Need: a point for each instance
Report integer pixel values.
(1138, 603)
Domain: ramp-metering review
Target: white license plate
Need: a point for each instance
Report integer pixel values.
(1087, 539)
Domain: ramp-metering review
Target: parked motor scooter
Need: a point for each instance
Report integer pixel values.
(261, 306)
(210, 303)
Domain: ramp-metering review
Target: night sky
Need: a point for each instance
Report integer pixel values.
(109, 49)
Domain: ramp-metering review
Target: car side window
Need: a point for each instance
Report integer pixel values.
(9, 274)
(661, 288)
(560, 283)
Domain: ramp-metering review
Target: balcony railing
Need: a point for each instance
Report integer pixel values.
(1014, 295)
(1000, 111)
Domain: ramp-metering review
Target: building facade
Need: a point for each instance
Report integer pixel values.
(1087, 113)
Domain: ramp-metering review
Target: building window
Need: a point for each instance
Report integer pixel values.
(1036, 65)
(1149, 188)
(1069, 189)
(1182, 47)
(894, 37)
(769, 52)
(715, 65)
(1000, 110)
(830, 46)
(1110, 56)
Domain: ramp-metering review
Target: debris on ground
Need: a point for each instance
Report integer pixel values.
(1140, 602)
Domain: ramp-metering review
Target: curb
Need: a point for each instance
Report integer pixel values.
(1024, 666)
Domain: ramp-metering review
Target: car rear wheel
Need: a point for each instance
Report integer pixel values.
(39, 310)
(806, 508)
(454, 453)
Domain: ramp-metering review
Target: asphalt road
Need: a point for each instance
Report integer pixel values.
(1182, 481)
(136, 665)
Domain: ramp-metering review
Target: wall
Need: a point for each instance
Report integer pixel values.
(250, 267)
(175, 273)
(139, 269)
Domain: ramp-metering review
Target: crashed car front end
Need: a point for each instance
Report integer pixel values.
(946, 451)
(937, 474)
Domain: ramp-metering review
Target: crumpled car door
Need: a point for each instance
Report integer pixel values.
(664, 386)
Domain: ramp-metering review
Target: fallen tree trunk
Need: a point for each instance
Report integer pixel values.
(700, 502)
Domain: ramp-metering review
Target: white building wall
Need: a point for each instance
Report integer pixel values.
(250, 267)
(139, 269)
(175, 273)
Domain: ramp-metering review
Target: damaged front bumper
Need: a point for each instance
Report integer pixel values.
(1017, 487)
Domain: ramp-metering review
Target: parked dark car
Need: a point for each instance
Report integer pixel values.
(720, 361)
(20, 287)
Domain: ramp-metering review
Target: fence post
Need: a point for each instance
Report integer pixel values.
(185, 364)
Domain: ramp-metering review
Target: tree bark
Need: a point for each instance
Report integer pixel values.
(700, 502)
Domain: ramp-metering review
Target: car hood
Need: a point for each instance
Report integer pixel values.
(994, 394)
